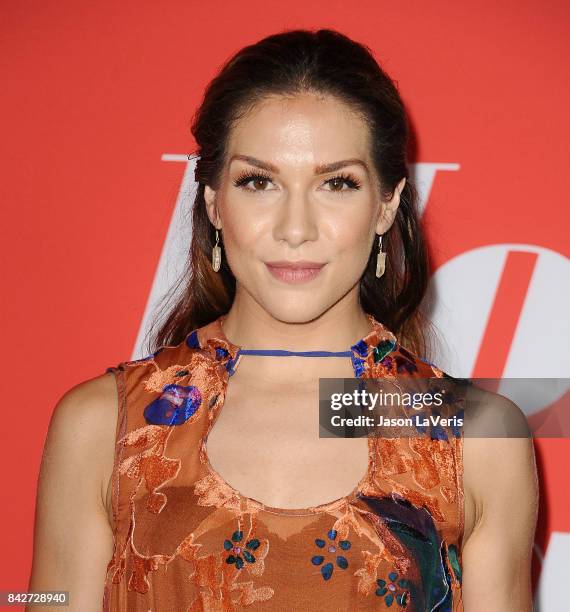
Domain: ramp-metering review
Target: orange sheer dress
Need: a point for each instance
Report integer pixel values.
(185, 540)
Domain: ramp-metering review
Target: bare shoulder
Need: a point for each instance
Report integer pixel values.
(500, 477)
(83, 425)
(97, 393)
(73, 537)
(88, 411)
(499, 457)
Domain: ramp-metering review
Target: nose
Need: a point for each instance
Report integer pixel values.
(295, 220)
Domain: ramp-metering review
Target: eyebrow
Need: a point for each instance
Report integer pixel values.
(320, 169)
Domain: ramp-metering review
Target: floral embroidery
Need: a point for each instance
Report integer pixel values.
(211, 490)
(227, 573)
(341, 561)
(150, 465)
(390, 590)
(221, 352)
(143, 359)
(373, 352)
(175, 406)
(218, 583)
(239, 553)
(192, 340)
(382, 349)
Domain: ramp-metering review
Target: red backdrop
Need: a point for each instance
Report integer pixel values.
(95, 93)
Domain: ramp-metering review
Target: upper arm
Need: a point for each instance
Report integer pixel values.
(73, 540)
(497, 556)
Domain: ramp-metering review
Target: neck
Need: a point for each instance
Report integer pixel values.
(334, 331)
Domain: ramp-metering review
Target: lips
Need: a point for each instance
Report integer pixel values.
(294, 272)
(295, 265)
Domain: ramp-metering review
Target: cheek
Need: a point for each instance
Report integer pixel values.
(243, 234)
(352, 237)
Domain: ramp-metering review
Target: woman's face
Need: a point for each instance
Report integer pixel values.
(299, 186)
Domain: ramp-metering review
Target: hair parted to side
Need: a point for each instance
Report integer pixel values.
(325, 62)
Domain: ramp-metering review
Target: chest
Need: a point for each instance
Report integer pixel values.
(265, 443)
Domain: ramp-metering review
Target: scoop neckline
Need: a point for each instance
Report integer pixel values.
(216, 332)
(308, 510)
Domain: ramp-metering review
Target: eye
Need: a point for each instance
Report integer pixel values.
(257, 178)
(338, 182)
(260, 180)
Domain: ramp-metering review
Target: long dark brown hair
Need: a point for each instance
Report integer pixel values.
(323, 62)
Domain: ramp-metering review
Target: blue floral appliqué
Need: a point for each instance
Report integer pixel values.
(221, 353)
(192, 340)
(380, 353)
(238, 551)
(358, 359)
(175, 405)
(341, 561)
(390, 591)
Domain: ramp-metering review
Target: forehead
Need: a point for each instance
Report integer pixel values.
(304, 128)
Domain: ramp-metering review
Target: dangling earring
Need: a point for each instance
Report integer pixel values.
(216, 254)
(380, 260)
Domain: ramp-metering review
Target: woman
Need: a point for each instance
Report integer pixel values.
(305, 238)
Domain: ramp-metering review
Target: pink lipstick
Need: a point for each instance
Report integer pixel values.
(294, 271)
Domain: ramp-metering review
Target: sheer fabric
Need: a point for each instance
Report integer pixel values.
(186, 540)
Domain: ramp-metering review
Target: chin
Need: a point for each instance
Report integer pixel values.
(296, 309)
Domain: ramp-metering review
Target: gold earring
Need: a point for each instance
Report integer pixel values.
(216, 254)
(380, 260)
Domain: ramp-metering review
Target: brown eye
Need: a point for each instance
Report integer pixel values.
(260, 182)
(337, 183)
(250, 181)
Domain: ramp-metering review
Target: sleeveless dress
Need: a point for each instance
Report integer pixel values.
(185, 540)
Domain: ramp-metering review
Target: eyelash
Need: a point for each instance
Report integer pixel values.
(247, 176)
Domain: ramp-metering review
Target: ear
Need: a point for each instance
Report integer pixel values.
(211, 208)
(389, 209)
